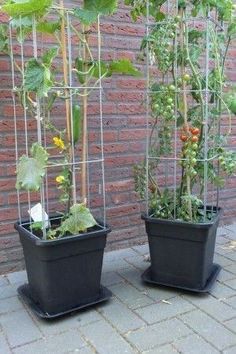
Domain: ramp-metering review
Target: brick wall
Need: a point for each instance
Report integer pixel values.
(124, 134)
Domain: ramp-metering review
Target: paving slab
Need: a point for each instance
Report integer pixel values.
(19, 328)
(62, 343)
(142, 249)
(231, 324)
(10, 304)
(129, 295)
(121, 317)
(111, 278)
(212, 306)
(194, 344)
(3, 280)
(17, 277)
(208, 328)
(231, 350)
(106, 339)
(158, 334)
(222, 291)
(4, 348)
(165, 349)
(164, 310)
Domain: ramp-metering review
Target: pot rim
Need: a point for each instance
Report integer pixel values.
(186, 224)
(104, 229)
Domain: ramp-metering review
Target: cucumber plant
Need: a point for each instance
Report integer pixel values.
(48, 70)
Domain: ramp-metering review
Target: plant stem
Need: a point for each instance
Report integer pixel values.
(185, 102)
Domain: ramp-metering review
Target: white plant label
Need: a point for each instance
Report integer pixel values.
(38, 214)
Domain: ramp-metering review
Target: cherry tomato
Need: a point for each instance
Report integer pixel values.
(195, 131)
(184, 138)
(195, 139)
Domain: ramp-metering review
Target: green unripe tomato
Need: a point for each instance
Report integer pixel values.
(186, 77)
(169, 100)
(193, 161)
(195, 146)
(172, 88)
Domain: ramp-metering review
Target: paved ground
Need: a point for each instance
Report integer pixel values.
(138, 319)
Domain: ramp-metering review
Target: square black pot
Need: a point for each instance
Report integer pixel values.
(63, 273)
(181, 253)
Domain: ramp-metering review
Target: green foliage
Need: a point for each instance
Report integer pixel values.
(93, 8)
(123, 66)
(38, 76)
(79, 220)
(31, 170)
(17, 8)
(174, 49)
(3, 38)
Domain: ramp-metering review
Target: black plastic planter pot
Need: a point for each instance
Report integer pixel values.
(63, 274)
(182, 253)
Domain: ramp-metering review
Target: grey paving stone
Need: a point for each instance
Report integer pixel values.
(142, 249)
(132, 297)
(221, 260)
(232, 256)
(138, 261)
(120, 254)
(221, 291)
(84, 350)
(156, 293)
(161, 311)
(231, 228)
(4, 348)
(165, 349)
(231, 324)
(75, 321)
(212, 331)
(231, 283)
(231, 268)
(214, 307)
(10, 304)
(225, 250)
(62, 343)
(231, 301)
(225, 275)
(111, 278)
(158, 334)
(17, 277)
(231, 350)
(121, 317)
(8, 291)
(105, 339)
(19, 328)
(194, 344)
(114, 265)
(3, 280)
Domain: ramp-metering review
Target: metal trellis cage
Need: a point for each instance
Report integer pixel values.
(57, 99)
(188, 114)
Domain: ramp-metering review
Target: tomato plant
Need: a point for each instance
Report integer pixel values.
(187, 100)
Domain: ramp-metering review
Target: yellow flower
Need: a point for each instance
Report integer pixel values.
(59, 142)
(60, 179)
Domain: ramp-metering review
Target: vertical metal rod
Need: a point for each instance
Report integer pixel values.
(71, 107)
(38, 118)
(101, 119)
(14, 114)
(206, 118)
(147, 107)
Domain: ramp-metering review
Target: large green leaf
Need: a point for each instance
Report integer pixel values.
(101, 7)
(38, 76)
(123, 66)
(18, 8)
(86, 17)
(31, 170)
(79, 220)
